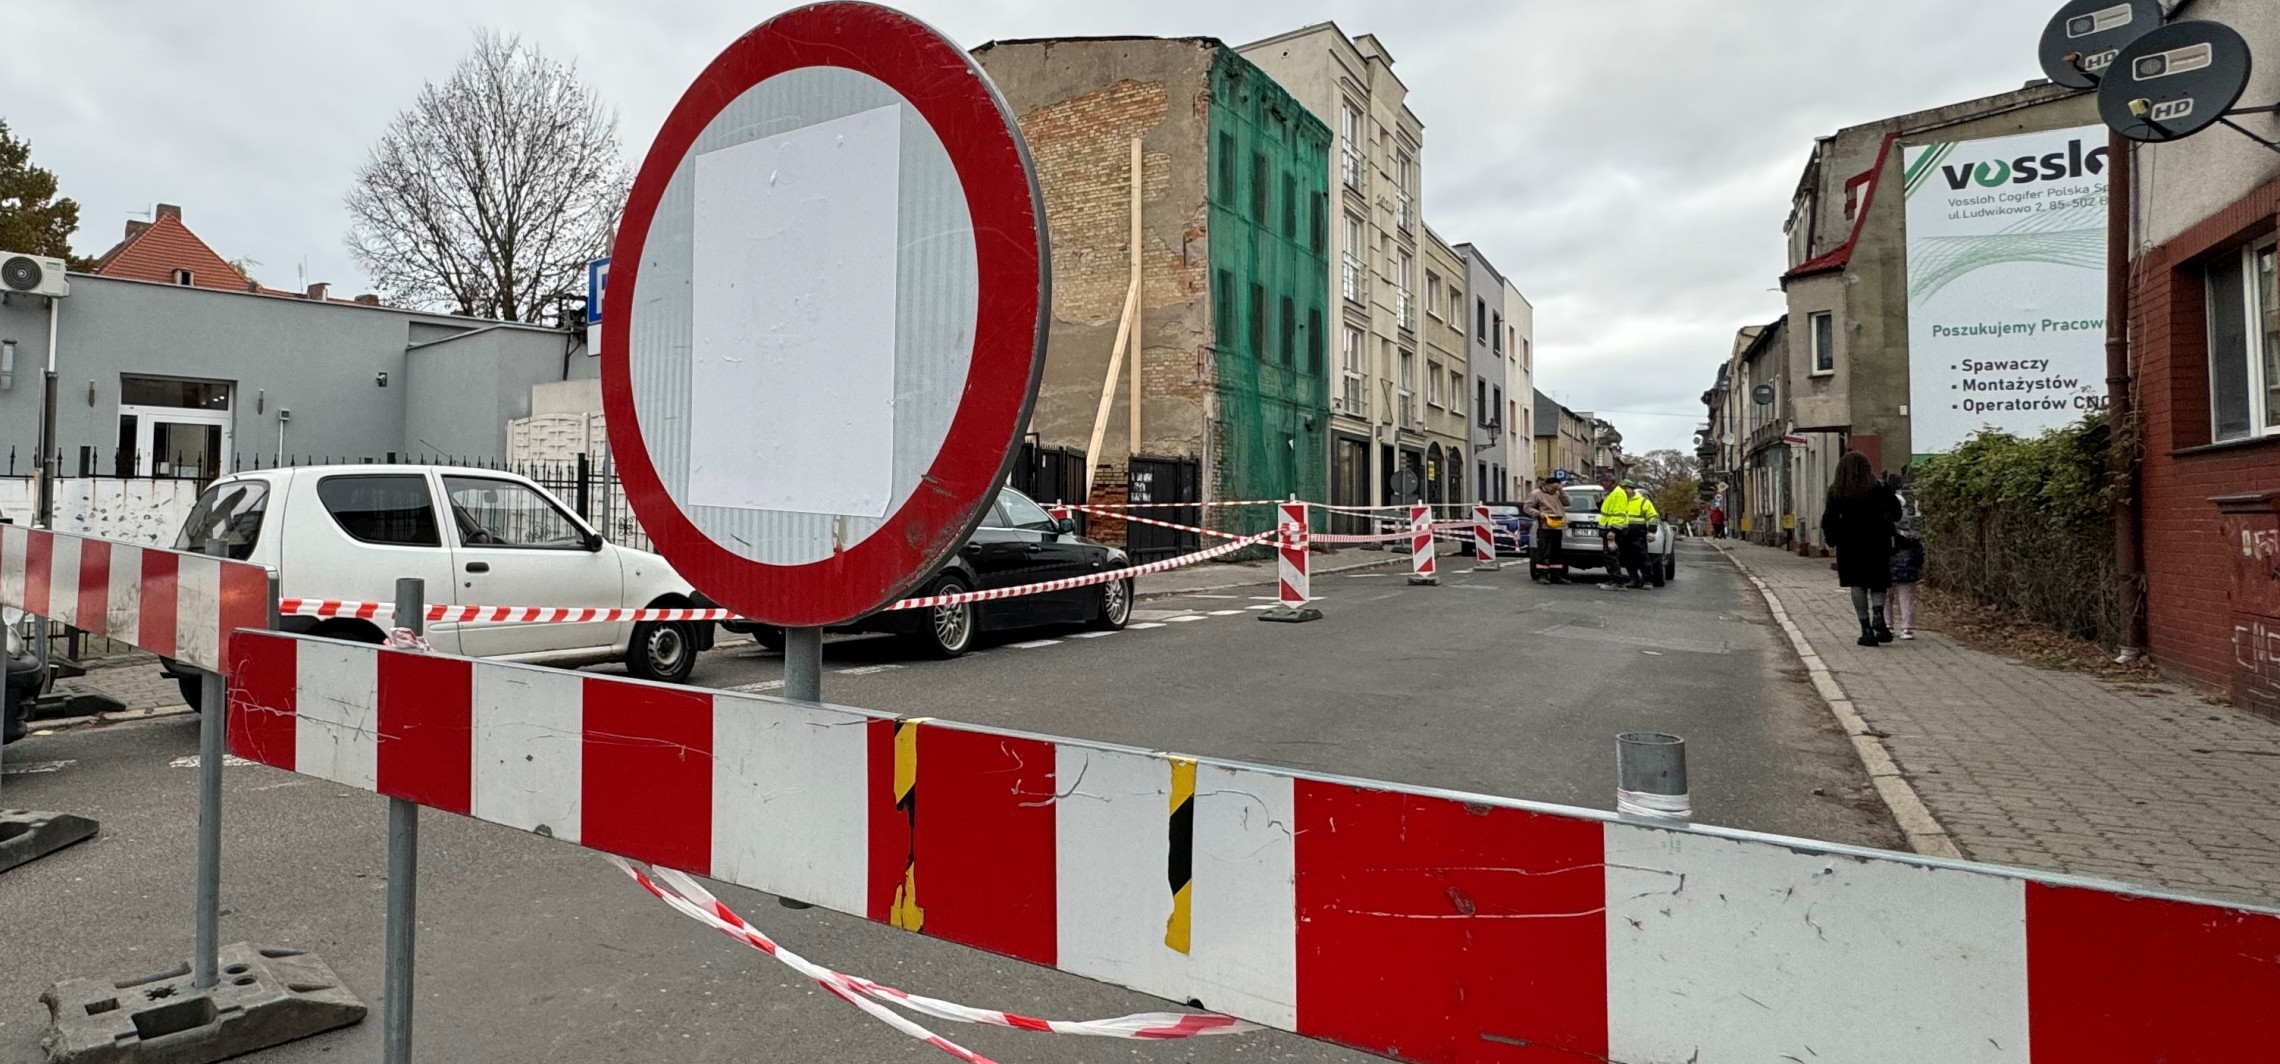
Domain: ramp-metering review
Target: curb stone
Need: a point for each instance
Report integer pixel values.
(1926, 835)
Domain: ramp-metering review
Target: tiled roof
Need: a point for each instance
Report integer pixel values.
(155, 250)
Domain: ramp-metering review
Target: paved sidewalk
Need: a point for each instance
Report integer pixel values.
(2045, 769)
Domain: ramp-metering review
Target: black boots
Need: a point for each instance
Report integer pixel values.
(1868, 635)
(1882, 631)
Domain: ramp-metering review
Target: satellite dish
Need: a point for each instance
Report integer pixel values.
(2175, 81)
(2082, 39)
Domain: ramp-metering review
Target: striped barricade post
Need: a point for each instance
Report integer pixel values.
(1424, 566)
(1340, 909)
(189, 608)
(1484, 540)
(1294, 595)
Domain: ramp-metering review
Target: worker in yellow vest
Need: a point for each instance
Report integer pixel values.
(1615, 526)
(1642, 525)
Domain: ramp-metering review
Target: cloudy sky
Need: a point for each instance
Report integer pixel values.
(1627, 162)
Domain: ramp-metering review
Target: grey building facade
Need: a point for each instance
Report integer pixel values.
(173, 380)
(1484, 331)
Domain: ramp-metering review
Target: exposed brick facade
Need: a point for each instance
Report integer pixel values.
(2188, 559)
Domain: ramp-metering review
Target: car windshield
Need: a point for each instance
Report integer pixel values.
(1021, 513)
(229, 511)
(1504, 511)
(1583, 499)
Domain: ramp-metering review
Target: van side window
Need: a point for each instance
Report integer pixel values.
(230, 511)
(389, 509)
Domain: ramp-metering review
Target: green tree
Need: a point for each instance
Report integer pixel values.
(32, 220)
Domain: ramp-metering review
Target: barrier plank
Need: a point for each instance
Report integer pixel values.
(1424, 925)
(176, 605)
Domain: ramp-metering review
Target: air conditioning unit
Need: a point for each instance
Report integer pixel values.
(33, 275)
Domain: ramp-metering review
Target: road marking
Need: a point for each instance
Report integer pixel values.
(1035, 644)
(1261, 606)
(864, 670)
(1225, 613)
(1265, 598)
(1183, 620)
(228, 761)
(1199, 594)
(33, 768)
(1143, 624)
(1091, 635)
(764, 685)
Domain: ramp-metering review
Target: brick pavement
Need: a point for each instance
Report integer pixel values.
(2147, 783)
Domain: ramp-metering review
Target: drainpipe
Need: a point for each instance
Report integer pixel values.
(2121, 422)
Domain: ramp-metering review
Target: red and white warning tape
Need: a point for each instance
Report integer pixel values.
(1110, 576)
(684, 894)
(299, 607)
(1104, 512)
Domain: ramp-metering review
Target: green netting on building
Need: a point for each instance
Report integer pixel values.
(1270, 277)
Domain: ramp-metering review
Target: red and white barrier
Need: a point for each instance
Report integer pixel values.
(1290, 560)
(1484, 538)
(1424, 565)
(1420, 924)
(175, 605)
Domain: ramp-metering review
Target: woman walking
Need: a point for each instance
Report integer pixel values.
(1859, 521)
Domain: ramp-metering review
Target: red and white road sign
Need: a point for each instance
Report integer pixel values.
(827, 314)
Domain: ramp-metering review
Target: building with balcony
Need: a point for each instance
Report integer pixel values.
(1377, 423)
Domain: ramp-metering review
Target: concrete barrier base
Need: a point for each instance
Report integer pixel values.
(30, 834)
(265, 997)
(1291, 614)
(1421, 580)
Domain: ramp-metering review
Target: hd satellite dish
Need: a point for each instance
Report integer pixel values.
(2175, 81)
(2082, 40)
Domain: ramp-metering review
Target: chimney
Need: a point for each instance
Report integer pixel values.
(135, 228)
(168, 210)
(317, 291)
(369, 299)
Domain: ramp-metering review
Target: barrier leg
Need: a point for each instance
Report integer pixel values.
(1291, 561)
(403, 875)
(1425, 569)
(29, 834)
(213, 696)
(1484, 541)
(1650, 778)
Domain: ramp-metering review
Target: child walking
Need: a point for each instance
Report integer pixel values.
(1907, 569)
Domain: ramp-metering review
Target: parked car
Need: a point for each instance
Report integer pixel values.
(1017, 543)
(1510, 533)
(349, 531)
(1583, 544)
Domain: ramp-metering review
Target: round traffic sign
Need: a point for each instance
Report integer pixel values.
(2175, 81)
(827, 320)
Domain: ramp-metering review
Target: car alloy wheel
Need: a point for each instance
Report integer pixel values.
(953, 626)
(1115, 605)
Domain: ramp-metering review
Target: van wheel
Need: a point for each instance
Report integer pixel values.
(1115, 606)
(1670, 565)
(664, 651)
(947, 631)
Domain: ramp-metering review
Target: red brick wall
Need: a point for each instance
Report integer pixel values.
(2187, 561)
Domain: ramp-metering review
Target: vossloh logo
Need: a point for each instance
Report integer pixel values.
(2026, 169)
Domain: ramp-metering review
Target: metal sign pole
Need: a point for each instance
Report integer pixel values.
(213, 694)
(803, 664)
(403, 874)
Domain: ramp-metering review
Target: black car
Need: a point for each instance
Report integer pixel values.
(1018, 543)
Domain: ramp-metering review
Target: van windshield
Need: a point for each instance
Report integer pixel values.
(230, 511)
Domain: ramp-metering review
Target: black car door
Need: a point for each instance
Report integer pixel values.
(1053, 555)
(1003, 556)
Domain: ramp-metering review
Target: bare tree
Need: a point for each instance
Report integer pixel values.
(490, 193)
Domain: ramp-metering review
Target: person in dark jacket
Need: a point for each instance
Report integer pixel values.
(1859, 520)
(1907, 570)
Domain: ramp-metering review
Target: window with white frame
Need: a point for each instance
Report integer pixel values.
(1433, 384)
(1408, 364)
(1457, 391)
(1824, 334)
(1349, 146)
(1353, 395)
(1404, 190)
(1350, 271)
(1404, 268)
(2244, 345)
(1432, 294)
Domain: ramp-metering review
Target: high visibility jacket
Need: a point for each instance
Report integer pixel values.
(1643, 510)
(1615, 509)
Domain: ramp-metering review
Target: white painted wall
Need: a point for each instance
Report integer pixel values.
(145, 512)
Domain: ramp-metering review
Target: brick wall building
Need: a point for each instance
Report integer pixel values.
(2205, 343)
(1234, 177)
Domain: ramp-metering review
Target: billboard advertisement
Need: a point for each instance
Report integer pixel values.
(2006, 284)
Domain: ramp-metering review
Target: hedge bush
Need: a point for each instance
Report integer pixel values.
(2026, 526)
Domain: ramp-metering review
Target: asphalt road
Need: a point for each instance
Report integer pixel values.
(533, 950)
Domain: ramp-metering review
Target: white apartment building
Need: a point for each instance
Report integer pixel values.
(1377, 396)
